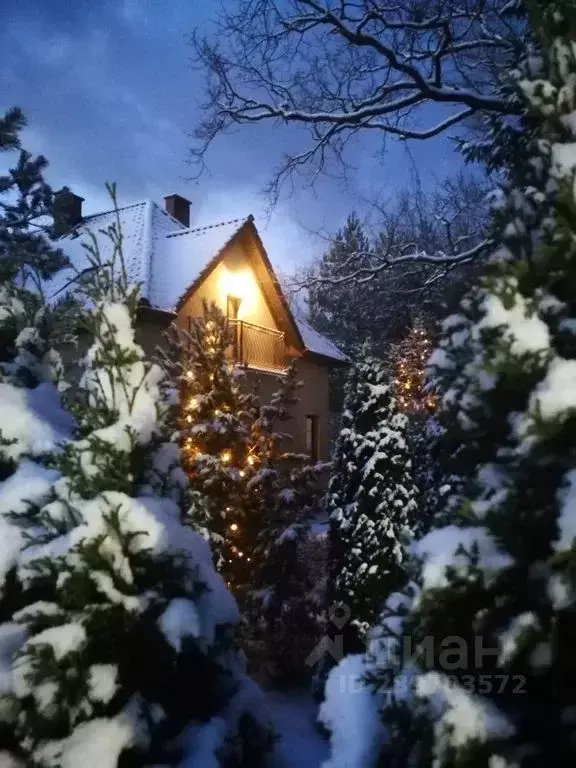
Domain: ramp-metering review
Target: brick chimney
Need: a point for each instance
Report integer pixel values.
(66, 210)
(178, 207)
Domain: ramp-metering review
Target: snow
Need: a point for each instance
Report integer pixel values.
(181, 257)
(178, 621)
(556, 394)
(30, 484)
(463, 717)
(293, 714)
(202, 742)
(350, 712)
(44, 696)
(319, 344)
(132, 390)
(559, 592)
(64, 639)
(508, 639)
(8, 761)
(567, 516)
(102, 682)
(524, 328)
(33, 419)
(446, 547)
(12, 637)
(95, 743)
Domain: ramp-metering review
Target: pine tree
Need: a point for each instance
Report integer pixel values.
(371, 498)
(127, 626)
(503, 579)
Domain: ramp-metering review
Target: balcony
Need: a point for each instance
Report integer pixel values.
(259, 348)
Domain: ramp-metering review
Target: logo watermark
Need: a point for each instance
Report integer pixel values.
(389, 656)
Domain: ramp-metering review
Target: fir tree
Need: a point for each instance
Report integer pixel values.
(503, 579)
(371, 498)
(333, 308)
(32, 420)
(218, 418)
(127, 626)
(281, 605)
(411, 380)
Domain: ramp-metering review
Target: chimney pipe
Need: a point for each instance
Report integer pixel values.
(178, 207)
(66, 210)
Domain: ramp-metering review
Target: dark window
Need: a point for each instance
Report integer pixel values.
(312, 437)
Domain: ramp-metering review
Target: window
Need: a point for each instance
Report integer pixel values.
(312, 437)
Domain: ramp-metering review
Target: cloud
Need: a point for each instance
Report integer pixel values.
(287, 242)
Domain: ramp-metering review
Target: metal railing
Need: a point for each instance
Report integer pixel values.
(259, 347)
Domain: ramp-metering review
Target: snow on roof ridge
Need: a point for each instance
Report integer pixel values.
(137, 204)
(206, 227)
(112, 210)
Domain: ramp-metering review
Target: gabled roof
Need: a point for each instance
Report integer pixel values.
(168, 260)
(187, 256)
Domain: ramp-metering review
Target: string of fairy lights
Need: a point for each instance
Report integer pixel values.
(226, 457)
(411, 375)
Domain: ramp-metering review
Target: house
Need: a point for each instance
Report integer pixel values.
(179, 266)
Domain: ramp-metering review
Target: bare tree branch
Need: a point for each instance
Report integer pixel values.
(338, 67)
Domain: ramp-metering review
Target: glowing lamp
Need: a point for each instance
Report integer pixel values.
(234, 527)
(225, 457)
(238, 287)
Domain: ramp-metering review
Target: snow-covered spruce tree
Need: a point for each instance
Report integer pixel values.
(371, 499)
(218, 417)
(128, 650)
(497, 607)
(32, 420)
(282, 604)
(27, 258)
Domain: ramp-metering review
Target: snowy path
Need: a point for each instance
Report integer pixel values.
(294, 714)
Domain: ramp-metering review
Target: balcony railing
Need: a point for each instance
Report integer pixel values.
(258, 347)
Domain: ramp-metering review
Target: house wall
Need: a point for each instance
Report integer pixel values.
(313, 401)
(235, 276)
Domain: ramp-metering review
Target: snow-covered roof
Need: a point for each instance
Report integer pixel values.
(165, 257)
(185, 255)
(318, 344)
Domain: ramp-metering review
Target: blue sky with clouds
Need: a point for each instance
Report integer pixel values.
(110, 95)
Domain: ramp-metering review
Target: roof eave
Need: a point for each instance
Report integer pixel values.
(335, 362)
